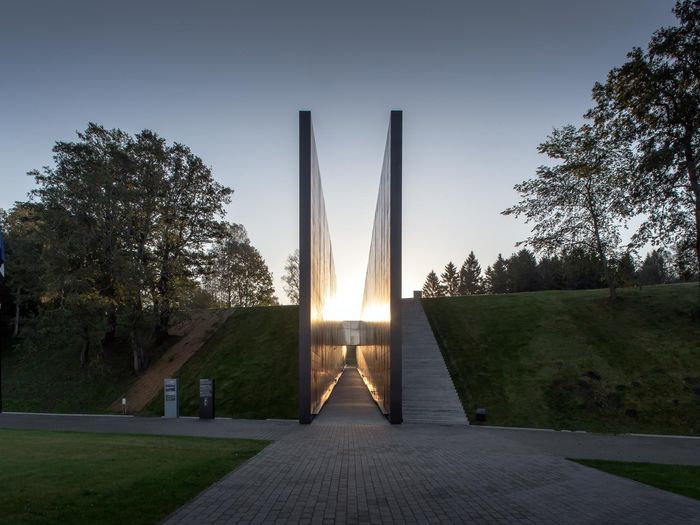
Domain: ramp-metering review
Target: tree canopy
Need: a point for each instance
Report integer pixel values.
(119, 232)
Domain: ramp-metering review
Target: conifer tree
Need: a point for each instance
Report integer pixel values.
(450, 280)
(497, 276)
(470, 276)
(432, 286)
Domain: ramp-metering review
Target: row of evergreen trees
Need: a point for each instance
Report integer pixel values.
(573, 270)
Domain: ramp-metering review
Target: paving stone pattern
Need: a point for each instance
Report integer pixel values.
(415, 473)
(350, 403)
(423, 474)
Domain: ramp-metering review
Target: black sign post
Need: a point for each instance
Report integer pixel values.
(206, 399)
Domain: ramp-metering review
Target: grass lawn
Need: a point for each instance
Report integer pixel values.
(681, 479)
(253, 357)
(70, 477)
(570, 359)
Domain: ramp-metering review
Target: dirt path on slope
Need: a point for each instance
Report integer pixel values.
(194, 332)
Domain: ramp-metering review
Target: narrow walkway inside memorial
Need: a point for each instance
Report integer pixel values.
(350, 403)
(429, 395)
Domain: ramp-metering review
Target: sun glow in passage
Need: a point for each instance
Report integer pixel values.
(339, 308)
(376, 312)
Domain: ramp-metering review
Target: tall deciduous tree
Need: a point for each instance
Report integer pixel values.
(432, 286)
(82, 201)
(126, 224)
(581, 201)
(291, 277)
(470, 276)
(239, 274)
(653, 102)
(450, 280)
(192, 202)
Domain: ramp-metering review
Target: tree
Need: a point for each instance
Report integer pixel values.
(497, 276)
(550, 271)
(291, 277)
(126, 221)
(684, 261)
(470, 276)
(654, 269)
(450, 280)
(581, 201)
(626, 270)
(191, 204)
(239, 274)
(84, 217)
(522, 272)
(23, 247)
(582, 269)
(653, 102)
(432, 286)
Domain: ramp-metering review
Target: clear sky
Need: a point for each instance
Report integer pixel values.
(480, 84)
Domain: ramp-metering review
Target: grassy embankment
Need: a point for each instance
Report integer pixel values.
(571, 360)
(253, 357)
(560, 359)
(681, 479)
(50, 379)
(69, 477)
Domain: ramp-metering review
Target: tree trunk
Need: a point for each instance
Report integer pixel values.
(85, 352)
(15, 328)
(612, 288)
(136, 336)
(111, 333)
(139, 361)
(606, 270)
(137, 349)
(695, 188)
(161, 332)
(601, 252)
(162, 307)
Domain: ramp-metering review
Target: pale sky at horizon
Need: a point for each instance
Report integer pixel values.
(480, 84)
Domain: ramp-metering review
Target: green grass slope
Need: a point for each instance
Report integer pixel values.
(51, 379)
(572, 360)
(253, 357)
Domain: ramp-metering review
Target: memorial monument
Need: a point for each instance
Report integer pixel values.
(322, 340)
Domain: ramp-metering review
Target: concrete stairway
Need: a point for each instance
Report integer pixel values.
(428, 393)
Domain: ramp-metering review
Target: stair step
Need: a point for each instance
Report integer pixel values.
(429, 396)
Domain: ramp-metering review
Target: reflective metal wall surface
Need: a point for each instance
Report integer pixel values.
(321, 358)
(380, 363)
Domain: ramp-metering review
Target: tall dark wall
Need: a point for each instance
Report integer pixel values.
(321, 358)
(380, 363)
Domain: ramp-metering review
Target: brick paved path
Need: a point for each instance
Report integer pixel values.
(415, 473)
(423, 474)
